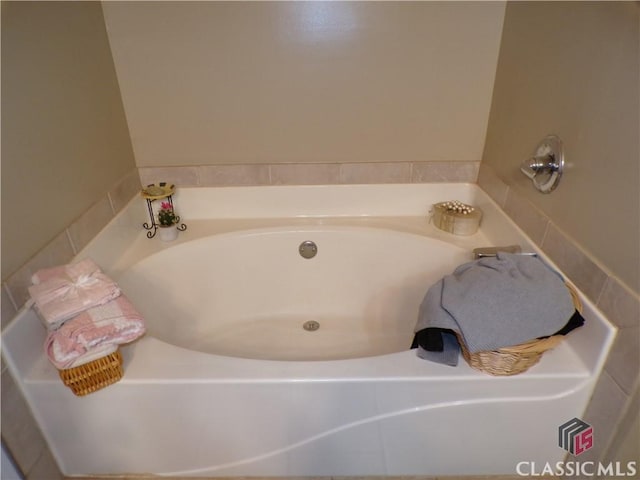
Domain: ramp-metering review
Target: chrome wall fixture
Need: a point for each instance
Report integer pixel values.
(546, 166)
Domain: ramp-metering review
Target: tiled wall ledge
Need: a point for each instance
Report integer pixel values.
(621, 305)
(312, 173)
(68, 243)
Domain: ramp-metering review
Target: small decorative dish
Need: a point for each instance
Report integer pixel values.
(156, 191)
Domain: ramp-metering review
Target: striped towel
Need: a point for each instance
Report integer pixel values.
(94, 333)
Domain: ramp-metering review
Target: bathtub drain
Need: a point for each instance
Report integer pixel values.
(308, 249)
(311, 326)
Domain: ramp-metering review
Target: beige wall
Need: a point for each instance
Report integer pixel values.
(571, 68)
(65, 140)
(208, 83)
(67, 168)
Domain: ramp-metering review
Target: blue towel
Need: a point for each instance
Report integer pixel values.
(498, 302)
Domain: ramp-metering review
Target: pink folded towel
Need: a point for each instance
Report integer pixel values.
(71, 271)
(94, 333)
(70, 290)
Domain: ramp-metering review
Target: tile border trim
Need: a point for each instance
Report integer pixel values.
(312, 173)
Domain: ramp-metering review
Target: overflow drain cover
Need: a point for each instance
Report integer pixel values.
(311, 326)
(308, 249)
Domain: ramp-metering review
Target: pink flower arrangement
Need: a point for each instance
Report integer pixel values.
(166, 215)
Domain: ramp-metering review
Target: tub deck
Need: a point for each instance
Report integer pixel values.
(186, 413)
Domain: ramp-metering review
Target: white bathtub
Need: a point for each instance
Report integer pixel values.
(229, 383)
(248, 294)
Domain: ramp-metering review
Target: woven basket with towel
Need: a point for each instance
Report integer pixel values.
(87, 318)
(518, 358)
(501, 312)
(94, 375)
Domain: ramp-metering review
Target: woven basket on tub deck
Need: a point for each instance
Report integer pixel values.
(93, 375)
(518, 358)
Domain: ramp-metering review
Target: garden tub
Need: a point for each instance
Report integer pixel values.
(259, 361)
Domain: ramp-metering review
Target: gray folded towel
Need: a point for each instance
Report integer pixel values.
(498, 302)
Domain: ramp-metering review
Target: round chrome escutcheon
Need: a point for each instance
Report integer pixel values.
(311, 326)
(308, 249)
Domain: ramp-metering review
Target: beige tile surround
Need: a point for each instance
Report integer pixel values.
(611, 399)
(620, 379)
(312, 173)
(68, 242)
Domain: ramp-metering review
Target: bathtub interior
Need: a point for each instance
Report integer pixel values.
(204, 414)
(250, 294)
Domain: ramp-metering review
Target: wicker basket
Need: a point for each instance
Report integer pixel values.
(94, 375)
(518, 358)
